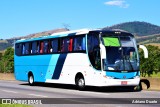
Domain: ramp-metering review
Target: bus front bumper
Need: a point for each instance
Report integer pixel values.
(119, 82)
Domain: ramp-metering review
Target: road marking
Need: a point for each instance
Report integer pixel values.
(9, 91)
(37, 95)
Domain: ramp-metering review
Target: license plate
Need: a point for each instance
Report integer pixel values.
(123, 82)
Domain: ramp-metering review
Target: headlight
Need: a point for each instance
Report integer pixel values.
(136, 77)
(109, 77)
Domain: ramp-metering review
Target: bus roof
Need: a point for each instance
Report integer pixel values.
(72, 32)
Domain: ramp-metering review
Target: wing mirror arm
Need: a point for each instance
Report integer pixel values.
(144, 50)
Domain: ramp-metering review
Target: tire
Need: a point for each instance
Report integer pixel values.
(80, 83)
(31, 80)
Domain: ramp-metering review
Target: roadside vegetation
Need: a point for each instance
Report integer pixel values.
(7, 61)
(150, 67)
(14, 105)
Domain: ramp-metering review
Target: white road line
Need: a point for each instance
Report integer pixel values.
(37, 95)
(8, 91)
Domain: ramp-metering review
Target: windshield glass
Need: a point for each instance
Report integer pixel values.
(121, 54)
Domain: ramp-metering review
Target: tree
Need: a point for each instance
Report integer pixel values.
(152, 63)
(0, 56)
(6, 62)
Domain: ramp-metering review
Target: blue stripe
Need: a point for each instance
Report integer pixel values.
(59, 66)
(120, 75)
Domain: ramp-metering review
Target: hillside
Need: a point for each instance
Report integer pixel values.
(150, 39)
(145, 33)
(9, 42)
(137, 28)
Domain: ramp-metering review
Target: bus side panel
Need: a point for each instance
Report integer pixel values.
(20, 73)
(42, 66)
(73, 63)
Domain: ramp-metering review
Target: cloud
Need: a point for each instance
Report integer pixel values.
(119, 3)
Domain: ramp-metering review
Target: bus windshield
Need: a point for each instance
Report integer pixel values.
(121, 54)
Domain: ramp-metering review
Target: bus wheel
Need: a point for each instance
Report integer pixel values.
(80, 83)
(31, 80)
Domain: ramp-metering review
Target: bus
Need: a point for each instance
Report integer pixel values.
(80, 57)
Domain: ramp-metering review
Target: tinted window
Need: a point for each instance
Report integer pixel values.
(26, 48)
(46, 46)
(41, 46)
(79, 44)
(94, 51)
(54, 45)
(34, 48)
(18, 49)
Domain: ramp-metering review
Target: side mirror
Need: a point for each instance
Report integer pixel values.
(144, 50)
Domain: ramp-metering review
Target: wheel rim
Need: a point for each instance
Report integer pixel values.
(31, 79)
(81, 82)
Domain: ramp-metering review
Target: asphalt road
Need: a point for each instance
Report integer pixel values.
(68, 95)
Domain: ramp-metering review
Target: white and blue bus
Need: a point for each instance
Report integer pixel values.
(81, 57)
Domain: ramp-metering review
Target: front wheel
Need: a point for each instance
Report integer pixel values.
(31, 80)
(80, 83)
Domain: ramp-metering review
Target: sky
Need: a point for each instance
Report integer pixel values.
(23, 17)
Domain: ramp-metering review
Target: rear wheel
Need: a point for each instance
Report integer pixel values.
(31, 80)
(80, 83)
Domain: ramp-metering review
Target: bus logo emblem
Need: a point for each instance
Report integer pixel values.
(124, 76)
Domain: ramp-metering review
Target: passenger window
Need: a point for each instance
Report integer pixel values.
(34, 47)
(46, 46)
(41, 47)
(23, 49)
(26, 48)
(54, 45)
(92, 42)
(66, 42)
(61, 47)
(38, 47)
(18, 49)
(70, 44)
(79, 44)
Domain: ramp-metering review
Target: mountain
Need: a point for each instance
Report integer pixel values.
(137, 28)
(145, 33)
(5, 43)
(148, 39)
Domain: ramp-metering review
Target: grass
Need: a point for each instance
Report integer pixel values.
(154, 75)
(14, 105)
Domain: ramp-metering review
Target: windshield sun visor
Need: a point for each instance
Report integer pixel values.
(110, 41)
